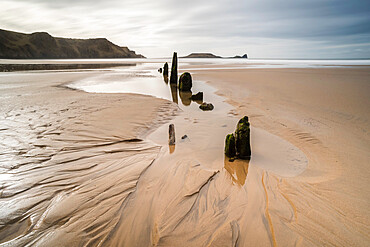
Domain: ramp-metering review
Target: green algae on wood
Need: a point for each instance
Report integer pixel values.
(242, 136)
(230, 150)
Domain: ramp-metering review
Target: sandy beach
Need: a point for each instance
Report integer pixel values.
(95, 169)
(325, 113)
(69, 159)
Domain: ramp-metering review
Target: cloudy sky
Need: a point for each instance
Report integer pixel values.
(156, 28)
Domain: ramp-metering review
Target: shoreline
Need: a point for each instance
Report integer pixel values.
(170, 199)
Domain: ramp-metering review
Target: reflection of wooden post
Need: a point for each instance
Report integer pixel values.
(238, 170)
(185, 97)
(173, 79)
(174, 93)
(172, 148)
(165, 78)
(171, 134)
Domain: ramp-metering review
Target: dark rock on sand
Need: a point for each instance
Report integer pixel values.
(206, 106)
(197, 97)
(173, 78)
(185, 82)
(160, 70)
(230, 148)
(184, 137)
(171, 135)
(165, 69)
(242, 136)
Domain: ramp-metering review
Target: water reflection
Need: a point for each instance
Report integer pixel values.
(172, 148)
(238, 170)
(174, 93)
(141, 79)
(199, 102)
(185, 97)
(165, 78)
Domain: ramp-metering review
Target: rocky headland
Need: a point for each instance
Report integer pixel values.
(41, 45)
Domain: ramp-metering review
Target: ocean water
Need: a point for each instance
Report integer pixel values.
(237, 63)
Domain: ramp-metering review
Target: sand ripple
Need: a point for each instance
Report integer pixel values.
(67, 170)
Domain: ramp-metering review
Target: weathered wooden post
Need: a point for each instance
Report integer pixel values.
(238, 144)
(185, 82)
(230, 150)
(165, 69)
(173, 79)
(242, 139)
(171, 134)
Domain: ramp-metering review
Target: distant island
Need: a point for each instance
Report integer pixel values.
(41, 45)
(244, 56)
(201, 55)
(210, 55)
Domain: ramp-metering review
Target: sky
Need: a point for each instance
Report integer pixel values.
(155, 28)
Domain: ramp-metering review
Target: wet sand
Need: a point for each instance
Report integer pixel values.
(325, 113)
(69, 159)
(88, 169)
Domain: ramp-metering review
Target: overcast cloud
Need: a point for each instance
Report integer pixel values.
(261, 28)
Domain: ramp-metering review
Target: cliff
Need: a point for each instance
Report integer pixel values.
(42, 45)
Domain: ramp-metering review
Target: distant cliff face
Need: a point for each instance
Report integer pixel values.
(202, 55)
(42, 45)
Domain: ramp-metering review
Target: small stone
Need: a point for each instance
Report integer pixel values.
(206, 106)
(197, 97)
(171, 134)
(184, 137)
(185, 82)
(160, 70)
